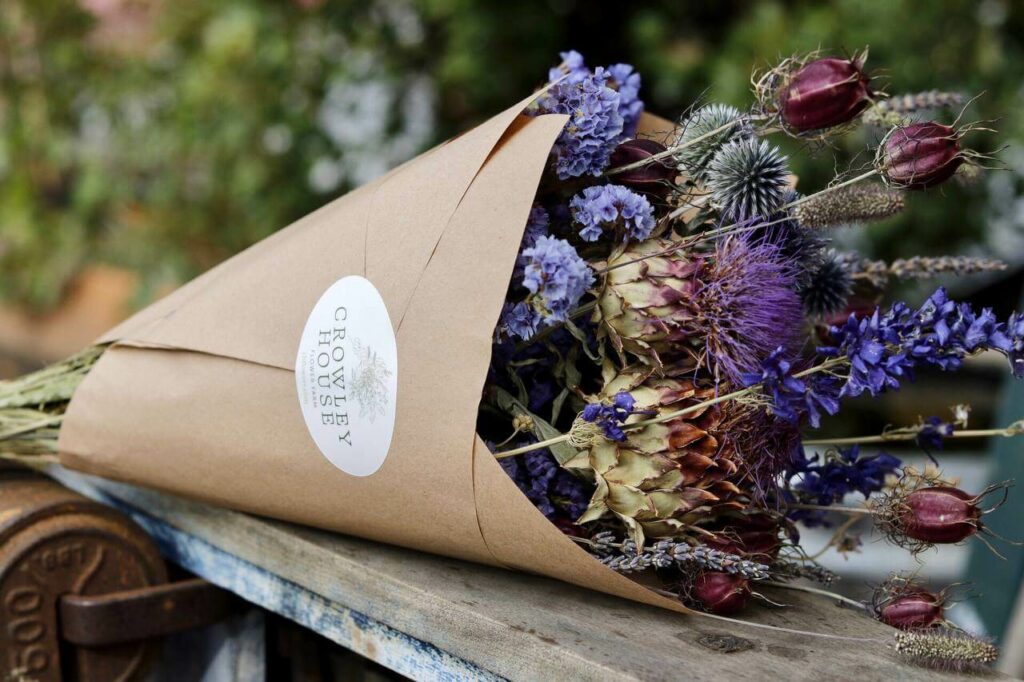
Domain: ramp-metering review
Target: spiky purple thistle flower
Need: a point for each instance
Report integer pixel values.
(747, 306)
(725, 311)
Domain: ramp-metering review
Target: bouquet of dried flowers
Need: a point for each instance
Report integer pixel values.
(678, 321)
(675, 323)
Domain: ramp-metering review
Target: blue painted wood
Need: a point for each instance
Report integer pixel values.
(353, 630)
(435, 618)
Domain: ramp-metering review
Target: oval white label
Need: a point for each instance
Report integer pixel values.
(346, 374)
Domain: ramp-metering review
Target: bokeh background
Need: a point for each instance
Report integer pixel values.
(144, 141)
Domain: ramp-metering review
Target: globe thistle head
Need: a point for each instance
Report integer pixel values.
(698, 142)
(747, 178)
(827, 287)
(797, 243)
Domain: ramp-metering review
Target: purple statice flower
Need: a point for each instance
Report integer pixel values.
(626, 81)
(594, 128)
(518, 319)
(558, 494)
(827, 482)
(933, 433)
(612, 207)
(557, 277)
(746, 306)
(572, 67)
(792, 398)
(537, 225)
(622, 78)
(611, 417)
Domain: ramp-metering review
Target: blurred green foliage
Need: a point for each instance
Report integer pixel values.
(164, 136)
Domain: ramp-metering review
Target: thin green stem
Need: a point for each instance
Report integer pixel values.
(818, 591)
(31, 426)
(905, 435)
(863, 511)
(671, 151)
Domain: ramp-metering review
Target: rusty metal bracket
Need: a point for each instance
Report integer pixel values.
(143, 613)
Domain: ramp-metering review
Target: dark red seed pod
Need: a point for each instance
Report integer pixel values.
(939, 515)
(920, 155)
(654, 178)
(825, 93)
(721, 593)
(913, 608)
(755, 536)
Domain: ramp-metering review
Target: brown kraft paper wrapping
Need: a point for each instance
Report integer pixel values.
(196, 395)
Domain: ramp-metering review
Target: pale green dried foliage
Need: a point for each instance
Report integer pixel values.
(897, 109)
(666, 477)
(855, 204)
(32, 407)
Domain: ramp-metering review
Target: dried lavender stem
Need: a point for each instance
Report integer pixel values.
(665, 553)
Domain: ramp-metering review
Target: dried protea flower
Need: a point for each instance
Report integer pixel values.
(946, 649)
(918, 514)
(824, 93)
(655, 178)
(720, 593)
(664, 477)
(748, 178)
(726, 310)
(906, 605)
(854, 204)
(827, 287)
(919, 155)
(704, 132)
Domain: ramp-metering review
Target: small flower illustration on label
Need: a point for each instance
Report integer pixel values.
(369, 382)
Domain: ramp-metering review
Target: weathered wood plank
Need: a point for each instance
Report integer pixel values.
(434, 618)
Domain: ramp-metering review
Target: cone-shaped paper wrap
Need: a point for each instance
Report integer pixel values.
(197, 395)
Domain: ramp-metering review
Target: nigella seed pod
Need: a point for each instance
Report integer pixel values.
(939, 515)
(913, 609)
(920, 155)
(825, 93)
(912, 612)
(654, 178)
(755, 536)
(721, 593)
